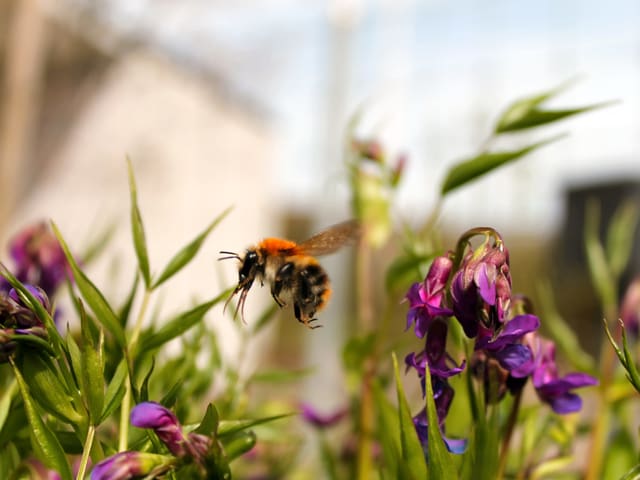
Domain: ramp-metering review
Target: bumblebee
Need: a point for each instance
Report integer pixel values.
(291, 269)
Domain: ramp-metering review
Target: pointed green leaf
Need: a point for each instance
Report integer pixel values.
(441, 463)
(115, 390)
(389, 434)
(137, 229)
(44, 442)
(412, 453)
(280, 376)
(6, 397)
(481, 458)
(231, 427)
(633, 474)
(526, 112)
(41, 376)
(125, 310)
(522, 120)
(178, 325)
(93, 296)
(470, 169)
(93, 379)
(186, 254)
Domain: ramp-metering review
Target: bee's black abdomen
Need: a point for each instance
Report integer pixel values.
(312, 284)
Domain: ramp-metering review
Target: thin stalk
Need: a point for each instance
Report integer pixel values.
(365, 324)
(128, 394)
(88, 445)
(508, 434)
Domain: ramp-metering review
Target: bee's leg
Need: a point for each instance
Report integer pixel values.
(282, 281)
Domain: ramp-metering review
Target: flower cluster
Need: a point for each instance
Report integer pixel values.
(191, 448)
(473, 286)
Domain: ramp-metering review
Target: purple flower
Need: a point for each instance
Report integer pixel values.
(481, 288)
(319, 420)
(441, 364)
(130, 465)
(163, 422)
(168, 429)
(426, 298)
(38, 257)
(550, 387)
(506, 347)
(16, 320)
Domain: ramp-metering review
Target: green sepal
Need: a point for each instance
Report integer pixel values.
(137, 229)
(92, 296)
(209, 424)
(238, 444)
(470, 169)
(412, 453)
(186, 254)
(44, 441)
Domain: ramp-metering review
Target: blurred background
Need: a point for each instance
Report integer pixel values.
(246, 104)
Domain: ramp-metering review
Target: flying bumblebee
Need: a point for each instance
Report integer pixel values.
(291, 269)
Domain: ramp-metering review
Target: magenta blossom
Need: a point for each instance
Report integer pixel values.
(551, 388)
(630, 308)
(38, 257)
(426, 298)
(130, 465)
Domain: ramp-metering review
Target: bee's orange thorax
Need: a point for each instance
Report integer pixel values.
(278, 246)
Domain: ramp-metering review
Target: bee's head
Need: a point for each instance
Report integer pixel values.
(250, 266)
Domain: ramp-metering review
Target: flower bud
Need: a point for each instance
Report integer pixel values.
(129, 465)
(163, 422)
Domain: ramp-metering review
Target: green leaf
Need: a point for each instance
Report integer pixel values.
(470, 169)
(412, 453)
(535, 117)
(621, 236)
(92, 296)
(42, 377)
(186, 254)
(115, 390)
(389, 434)
(481, 457)
(178, 325)
(441, 464)
(93, 379)
(44, 442)
(137, 229)
(6, 397)
(231, 427)
(633, 474)
(525, 113)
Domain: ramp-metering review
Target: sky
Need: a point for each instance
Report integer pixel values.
(431, 78)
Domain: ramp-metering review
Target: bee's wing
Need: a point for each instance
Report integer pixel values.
(331, 239)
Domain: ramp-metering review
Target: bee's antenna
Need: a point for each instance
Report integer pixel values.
(229, 255)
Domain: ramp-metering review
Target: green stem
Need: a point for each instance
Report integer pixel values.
(508, 434)
(129, 353)
(365, 325)
(88, 445)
